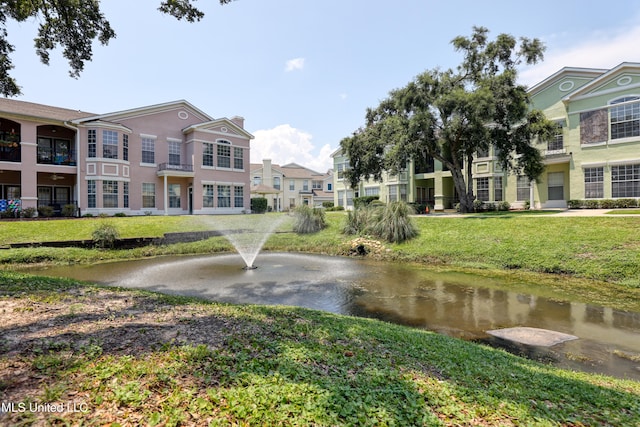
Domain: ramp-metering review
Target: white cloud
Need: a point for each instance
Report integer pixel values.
(595, 51)
(294, 64)
(343, 96)
(286, 144)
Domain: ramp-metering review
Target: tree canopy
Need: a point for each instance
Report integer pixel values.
(452, 114)
(72, 25)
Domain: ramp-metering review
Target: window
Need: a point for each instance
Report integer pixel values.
(125, 147)
(557, 140)
(305, 185)
(174, 195)
(482, 189)
(482, 152)
(125, 194)
(292, 185)
(91, 143)
(148, 150)
(555, 185)
(276, 182)
(523, 188)
(238, 158)
(393, 193)
(238, 196)
(403, 192)
(625, 119)
(340, 197)
(224, 154)
(148, 195)
(594, 183)
(257, 180)
(625, 181)
(207, 154)
(329, 187)
(349, 197)
(91, 194)
(342, 167)
(109, 144)
(224, 196)
(207, 195)
(109, 194)
(316, 185)
(372, 191)
(174, 153)
(497, 189)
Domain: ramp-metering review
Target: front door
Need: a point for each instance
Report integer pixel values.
(555, 183)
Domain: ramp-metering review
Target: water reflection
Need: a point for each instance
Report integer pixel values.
(459, 305)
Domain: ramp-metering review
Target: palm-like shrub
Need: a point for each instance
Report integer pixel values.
(390, 222)
(308, 220)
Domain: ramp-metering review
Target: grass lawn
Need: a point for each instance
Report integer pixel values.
(128, 358)
(125, 357)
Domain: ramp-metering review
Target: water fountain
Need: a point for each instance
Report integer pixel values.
(247, 233)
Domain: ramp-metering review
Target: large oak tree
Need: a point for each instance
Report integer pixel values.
(452, 114)
(72, 25)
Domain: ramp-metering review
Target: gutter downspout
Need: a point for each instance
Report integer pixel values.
(78, 180)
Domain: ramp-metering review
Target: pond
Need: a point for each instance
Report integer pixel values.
(456, 304)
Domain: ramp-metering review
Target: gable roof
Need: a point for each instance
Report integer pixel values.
(216, 125)
(147, 110)
(585, 73)
(40, 111)
(624, 67)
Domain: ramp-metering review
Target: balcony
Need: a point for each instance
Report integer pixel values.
(167, 169)
(10, 151)
(51, 156)
(559, 155)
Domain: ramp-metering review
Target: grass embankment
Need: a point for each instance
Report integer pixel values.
(136, 358)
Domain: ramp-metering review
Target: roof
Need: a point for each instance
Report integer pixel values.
(264, 189)
(40, 111)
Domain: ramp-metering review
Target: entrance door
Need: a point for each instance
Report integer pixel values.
(190, 194)
(555, 182)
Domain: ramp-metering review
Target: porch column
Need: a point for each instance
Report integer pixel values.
(166, 197)
(531, 193)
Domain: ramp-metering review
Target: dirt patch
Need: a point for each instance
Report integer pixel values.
(111, 321)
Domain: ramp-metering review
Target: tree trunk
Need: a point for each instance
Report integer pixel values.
(466, 197)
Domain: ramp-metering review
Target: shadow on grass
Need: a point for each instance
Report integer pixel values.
(140, 358)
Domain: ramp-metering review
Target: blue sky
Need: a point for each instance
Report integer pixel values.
(303, 72)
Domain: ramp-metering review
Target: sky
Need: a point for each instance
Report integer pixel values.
(301, 72)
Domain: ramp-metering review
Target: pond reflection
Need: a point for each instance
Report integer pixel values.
(455, 304)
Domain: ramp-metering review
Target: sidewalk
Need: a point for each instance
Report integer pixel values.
(560, 212)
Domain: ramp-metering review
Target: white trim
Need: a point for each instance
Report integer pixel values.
(148, 136)
(178, 140)
(624, 162)
(593, 165)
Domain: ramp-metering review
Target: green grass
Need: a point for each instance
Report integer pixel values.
(292, 366)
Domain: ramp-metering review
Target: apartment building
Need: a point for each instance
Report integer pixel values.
(291, 185)
(165, 159)
(595, 153)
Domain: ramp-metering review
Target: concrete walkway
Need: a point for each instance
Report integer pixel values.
(560, 212)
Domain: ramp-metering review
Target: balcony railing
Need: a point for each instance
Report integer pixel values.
(56, 157)
(9, 153)
(177, 168)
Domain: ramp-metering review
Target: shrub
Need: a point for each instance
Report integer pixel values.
(105, 235)
(308, 220)
(591, 204)
(607, 204)
(28, 212)
(45, 211)
(626, 203)
(503, 206)
(120, 215)
(259, 205)
(574, 204)
(364, 201)
(357, 221)
(393, 223)
(477, 205)
(69, 210)
(327, 205)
